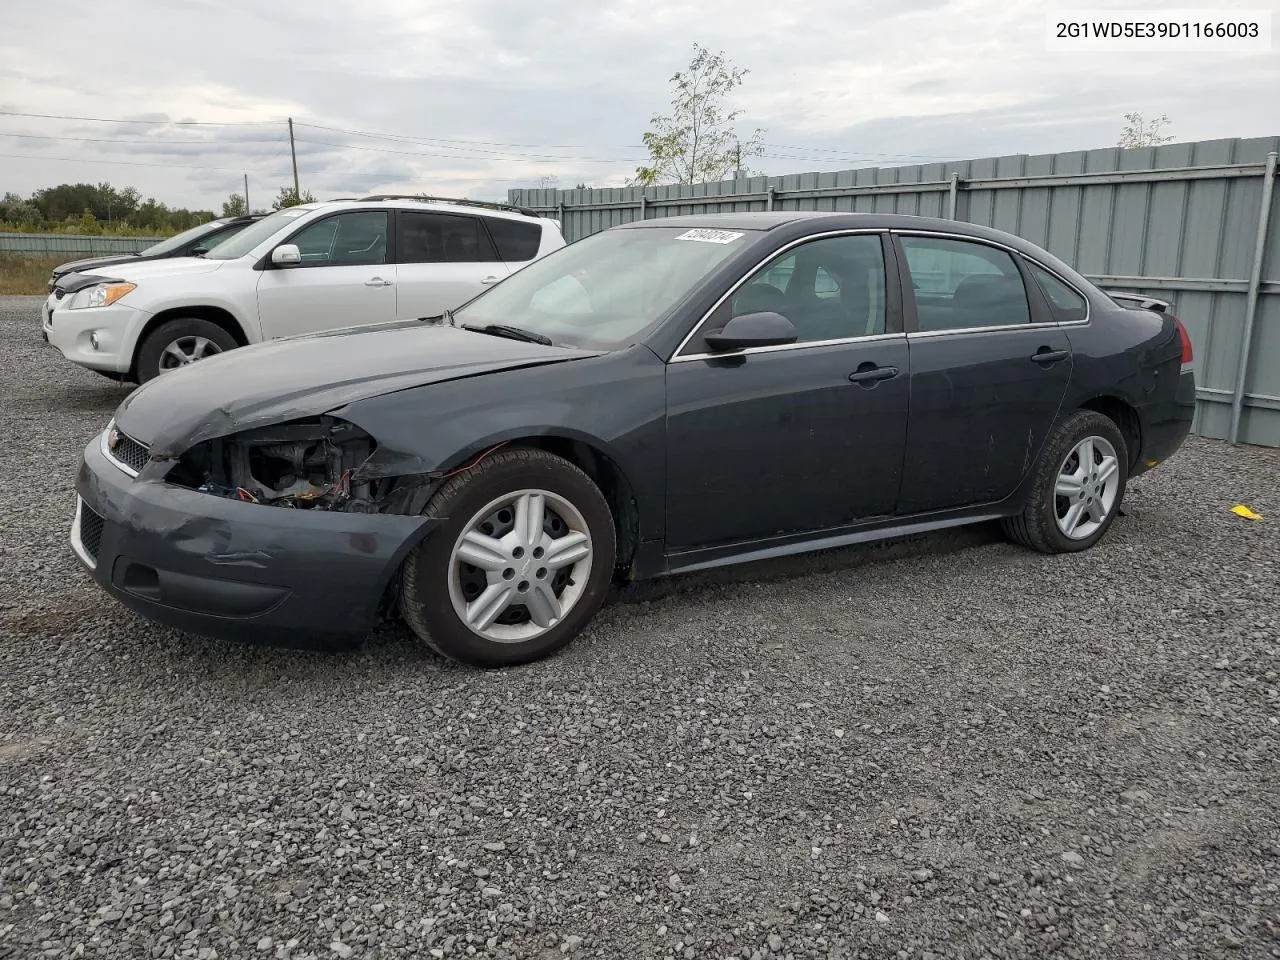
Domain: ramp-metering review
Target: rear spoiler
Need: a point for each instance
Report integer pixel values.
(1138, 301)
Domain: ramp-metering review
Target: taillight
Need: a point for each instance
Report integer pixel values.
(1186, 342)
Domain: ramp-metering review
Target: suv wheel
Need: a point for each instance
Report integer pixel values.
(177, 343)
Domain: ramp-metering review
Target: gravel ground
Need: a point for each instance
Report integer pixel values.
(950, 749)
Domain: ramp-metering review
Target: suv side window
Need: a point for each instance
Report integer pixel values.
(348, 239)
(441, 238)
(517, 240)
(1067, 305)
(960, 284)
(831, 289)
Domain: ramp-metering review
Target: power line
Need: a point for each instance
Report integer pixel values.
(447, 140)
(125, 163)
(204, 143)
(855, 153)
(175, 123)
(525, 158)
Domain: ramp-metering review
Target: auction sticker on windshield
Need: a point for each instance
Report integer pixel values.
(710, 236)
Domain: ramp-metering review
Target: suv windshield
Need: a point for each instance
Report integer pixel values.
(178, 239)
(608, 289)
(241, 243)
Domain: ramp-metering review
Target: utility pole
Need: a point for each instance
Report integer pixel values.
(737, 160)
(297, 194)
(246, 193)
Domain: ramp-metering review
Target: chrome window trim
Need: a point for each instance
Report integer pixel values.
(781, 347)
(861, 231)
(1013, 251)
(995, 328)
(106, 450)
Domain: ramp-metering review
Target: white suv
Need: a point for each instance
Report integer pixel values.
(318, 266)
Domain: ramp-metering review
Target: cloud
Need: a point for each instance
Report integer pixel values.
(482, 95)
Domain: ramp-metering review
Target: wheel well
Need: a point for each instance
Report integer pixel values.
(1124, 417)
(215, 315)
(608, 476)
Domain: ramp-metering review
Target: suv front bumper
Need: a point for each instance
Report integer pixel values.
(114, 329)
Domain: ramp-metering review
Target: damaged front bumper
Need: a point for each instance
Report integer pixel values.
(236, 570)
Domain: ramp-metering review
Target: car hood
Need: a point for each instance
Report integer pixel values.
(93, 263)
(171, 267)
(307, 376)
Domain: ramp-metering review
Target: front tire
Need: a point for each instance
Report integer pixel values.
(177, 343)
(521, 564)
(1078, 487)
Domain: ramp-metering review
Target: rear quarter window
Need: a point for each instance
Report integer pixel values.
(1067, 305)
(516, 240)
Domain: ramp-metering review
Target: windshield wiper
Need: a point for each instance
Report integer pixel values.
(511, 333)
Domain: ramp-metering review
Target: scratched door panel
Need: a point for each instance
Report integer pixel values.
(981, 409)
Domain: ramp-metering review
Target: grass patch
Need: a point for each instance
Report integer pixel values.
(23, 274)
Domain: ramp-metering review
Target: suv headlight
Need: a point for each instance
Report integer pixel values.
(103, 295)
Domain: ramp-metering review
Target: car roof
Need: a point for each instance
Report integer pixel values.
(437, 204)
(835, 220)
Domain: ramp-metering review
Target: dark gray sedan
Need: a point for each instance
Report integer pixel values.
(665, 396)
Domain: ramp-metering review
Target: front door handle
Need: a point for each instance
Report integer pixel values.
(377, 282)
(488, 280)
(1046, 356)
(870, 374)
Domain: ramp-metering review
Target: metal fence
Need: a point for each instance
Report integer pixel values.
(1195, 223)
(71, 246)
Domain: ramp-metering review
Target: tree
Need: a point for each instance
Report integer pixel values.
(234, 206)
(697, 142)
(288, 197)
(1139, 132)
(548, 182)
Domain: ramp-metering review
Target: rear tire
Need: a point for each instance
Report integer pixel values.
(1078, 487)
(541, 536)
(179, 342)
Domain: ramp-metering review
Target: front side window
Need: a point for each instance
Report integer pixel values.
(1067, 305)
(607, 290)
(257, 232)
(349, 239)
(441, 238)
(961, 285)
(830, 289)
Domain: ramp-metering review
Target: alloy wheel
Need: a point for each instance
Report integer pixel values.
(1086, 489)
(519, 566)
(187, 350)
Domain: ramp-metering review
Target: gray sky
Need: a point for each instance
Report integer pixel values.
(489, 94)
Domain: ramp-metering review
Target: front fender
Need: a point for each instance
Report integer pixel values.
(614, 403)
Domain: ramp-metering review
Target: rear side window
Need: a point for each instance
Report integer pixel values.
(1067, 305)
(441, 238)
(517, 241)
(960, 285)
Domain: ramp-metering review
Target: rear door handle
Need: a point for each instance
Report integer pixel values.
(489, 280)
(377, 282)
(870, 374)
(1045, 355)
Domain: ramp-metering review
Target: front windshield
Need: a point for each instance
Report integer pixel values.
(178, 239)
(241, 243)
(608, 289)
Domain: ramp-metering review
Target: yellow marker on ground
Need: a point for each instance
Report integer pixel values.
(1240, 510)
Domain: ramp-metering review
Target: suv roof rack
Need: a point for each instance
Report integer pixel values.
(492, 205)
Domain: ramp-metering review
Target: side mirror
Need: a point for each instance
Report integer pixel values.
(753, 330)
(200, 251)
(286, 255)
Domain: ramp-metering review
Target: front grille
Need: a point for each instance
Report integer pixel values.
(90, 530)
(127, 451)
